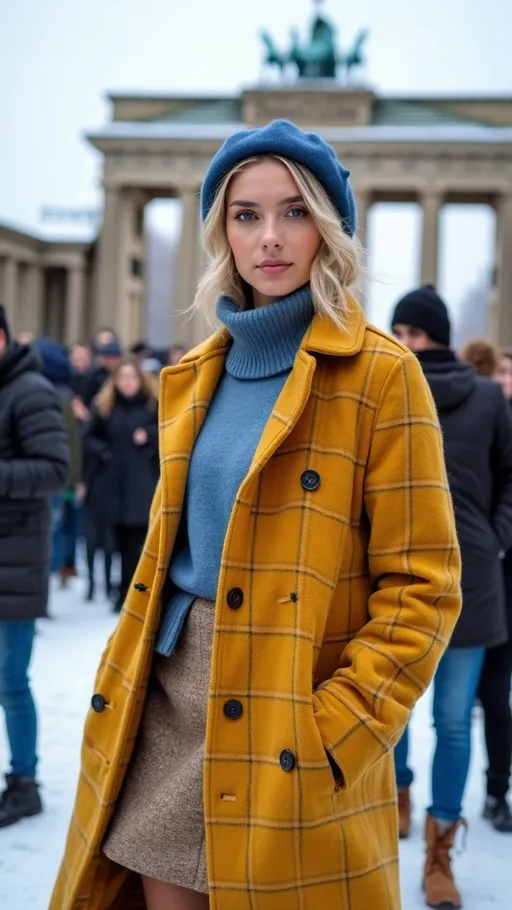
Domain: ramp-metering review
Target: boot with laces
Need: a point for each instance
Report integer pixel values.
(19, 800)
(441, 892)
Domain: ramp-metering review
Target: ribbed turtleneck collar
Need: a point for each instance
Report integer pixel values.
(265, 340)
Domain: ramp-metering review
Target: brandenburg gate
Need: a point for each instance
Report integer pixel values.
(430, 151)
(433, 152)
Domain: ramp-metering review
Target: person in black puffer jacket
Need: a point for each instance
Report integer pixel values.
(121, 460)
(34, 462)
(477, 430)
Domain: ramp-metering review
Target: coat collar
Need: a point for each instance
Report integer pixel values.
(323, 337)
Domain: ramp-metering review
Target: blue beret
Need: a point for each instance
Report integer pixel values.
(283, 138)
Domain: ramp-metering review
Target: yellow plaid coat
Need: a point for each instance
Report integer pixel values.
(351, 592)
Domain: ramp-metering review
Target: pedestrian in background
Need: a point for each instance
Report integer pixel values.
(494, 689)
(482, 355)
(122, 442)
(307, 589)
(107, 354)
(34, 462)
(56, 367)
(477, 433)
(80, 358)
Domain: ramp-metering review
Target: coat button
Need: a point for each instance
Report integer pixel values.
(235, 598)
(140, 587)
(310, 480)
(233, 709)
(98, 703)
(287, 760)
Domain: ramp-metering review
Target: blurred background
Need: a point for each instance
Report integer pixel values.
(111, 112)
(109, 118)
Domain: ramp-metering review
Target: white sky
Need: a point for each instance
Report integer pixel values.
(59, 58)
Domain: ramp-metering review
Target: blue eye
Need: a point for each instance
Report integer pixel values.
(245, 216)
(297, 212)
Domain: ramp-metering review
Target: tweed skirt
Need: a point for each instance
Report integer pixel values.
(157, 828)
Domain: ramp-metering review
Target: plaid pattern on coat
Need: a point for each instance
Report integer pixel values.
(351, 592)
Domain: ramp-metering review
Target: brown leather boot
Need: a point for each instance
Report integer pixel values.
(404, 813)
(438, 883)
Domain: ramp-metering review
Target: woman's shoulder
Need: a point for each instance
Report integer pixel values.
(379, 354)
(379, 363)
(382, 345)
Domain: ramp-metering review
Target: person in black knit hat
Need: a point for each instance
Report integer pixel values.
(477, 430)
(421, 320)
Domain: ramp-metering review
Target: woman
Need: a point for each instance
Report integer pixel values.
(121, 451)
(494, 690)
(304, 528)
(482, 355)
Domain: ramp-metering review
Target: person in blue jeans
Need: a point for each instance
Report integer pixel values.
(477, 428)
(34, 463)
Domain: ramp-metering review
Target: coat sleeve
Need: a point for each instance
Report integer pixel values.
(502, 470)
(95, 437)
(414, 566)
(43, 465)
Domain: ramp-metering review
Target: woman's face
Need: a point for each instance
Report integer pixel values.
(127, 381)
(504, 376)
(273, 237)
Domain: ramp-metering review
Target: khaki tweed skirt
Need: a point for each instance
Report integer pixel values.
(157, 828)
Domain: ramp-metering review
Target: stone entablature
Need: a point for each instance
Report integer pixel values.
(45, 285)
(312, 105)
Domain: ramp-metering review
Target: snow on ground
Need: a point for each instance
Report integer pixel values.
(67, 651)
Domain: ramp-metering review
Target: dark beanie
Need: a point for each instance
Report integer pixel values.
(285, 139)
(3, 323)
(424, 309)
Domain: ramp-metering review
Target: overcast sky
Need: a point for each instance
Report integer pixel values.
(59, 58)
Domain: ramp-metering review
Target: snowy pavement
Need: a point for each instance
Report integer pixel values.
(67, 651)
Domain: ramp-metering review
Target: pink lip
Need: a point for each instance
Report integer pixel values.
(274, 266)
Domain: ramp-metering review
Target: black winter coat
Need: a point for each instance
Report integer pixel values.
(34, 460)
(92, 383)
(477, 430)
(121, 476)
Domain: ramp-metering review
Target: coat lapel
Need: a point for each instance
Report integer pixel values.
(322, 338)
(286, 412)
(186, 393)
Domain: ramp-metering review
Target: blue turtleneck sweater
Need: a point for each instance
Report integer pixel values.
(265, 343)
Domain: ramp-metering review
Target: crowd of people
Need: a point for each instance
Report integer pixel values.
(78, 465)
(372, 528)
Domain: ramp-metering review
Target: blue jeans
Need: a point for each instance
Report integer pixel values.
(16, 640)
(455, 688)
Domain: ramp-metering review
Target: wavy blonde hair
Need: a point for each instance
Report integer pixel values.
(108, 395)
(335, 268)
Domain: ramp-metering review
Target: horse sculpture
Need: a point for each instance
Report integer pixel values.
(317, 58)
(354, 58)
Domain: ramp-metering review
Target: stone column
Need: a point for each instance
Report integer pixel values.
(188, 263)
(502, 317)
(33, 306)
(431, 202)
(11, 293)
(113, 260)
(363, 204)
(74, 305)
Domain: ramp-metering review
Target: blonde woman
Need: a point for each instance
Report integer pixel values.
(121, 465)
(297, 588)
